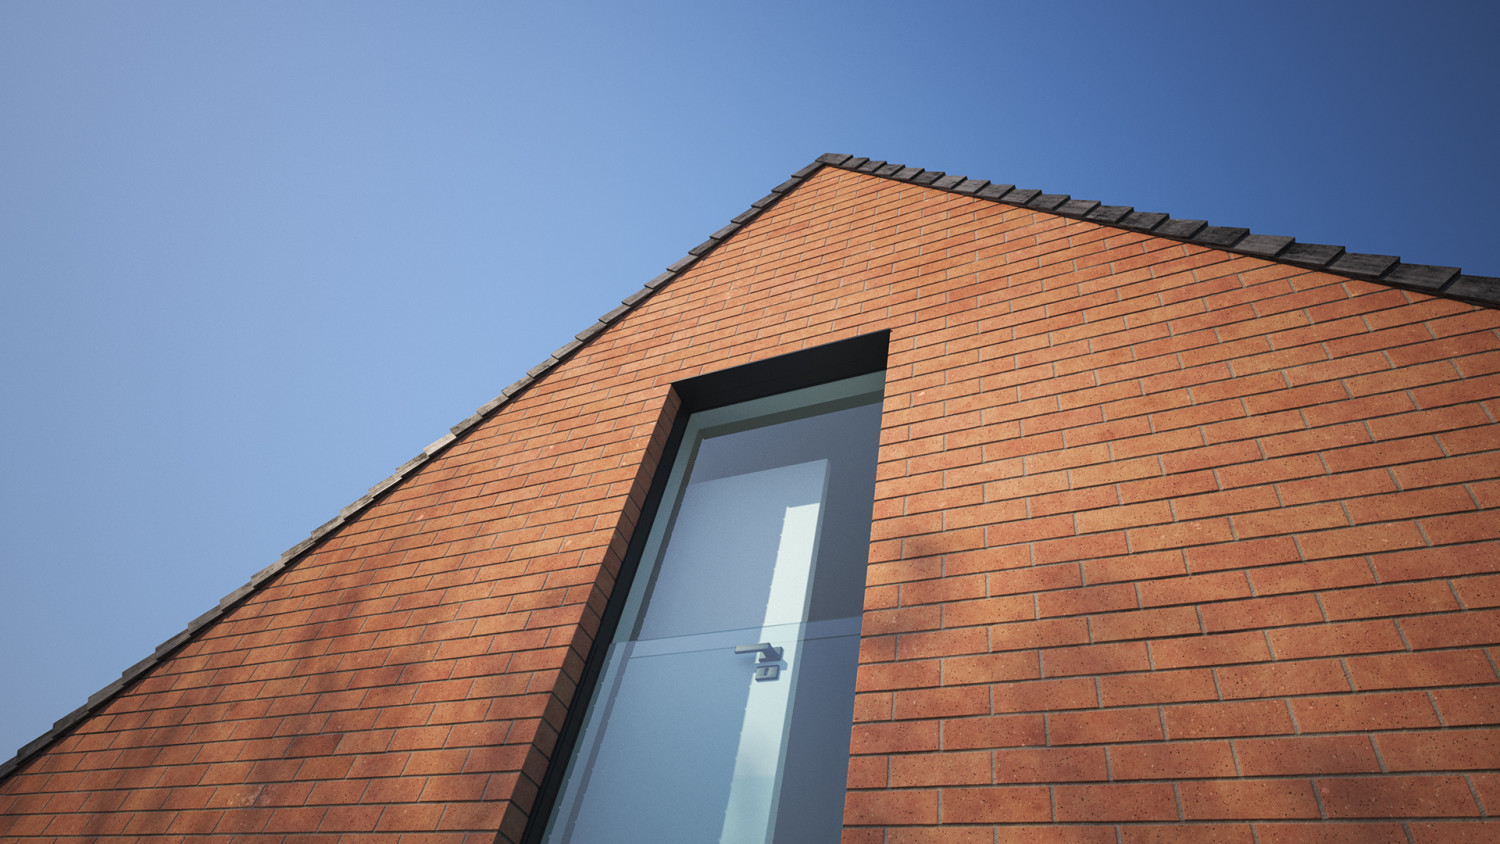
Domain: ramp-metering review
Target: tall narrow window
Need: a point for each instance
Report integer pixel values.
(723, 708)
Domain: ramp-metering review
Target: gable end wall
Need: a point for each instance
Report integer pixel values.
(1164, 535)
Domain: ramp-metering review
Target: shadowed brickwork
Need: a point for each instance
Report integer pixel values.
(1170, 543)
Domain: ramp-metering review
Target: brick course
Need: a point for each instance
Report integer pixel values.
(1168, 541)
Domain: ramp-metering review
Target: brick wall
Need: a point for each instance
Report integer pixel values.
(1169, 544)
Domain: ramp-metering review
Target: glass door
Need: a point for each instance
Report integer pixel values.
(724, 707)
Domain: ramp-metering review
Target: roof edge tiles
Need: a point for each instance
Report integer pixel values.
(1448, 282)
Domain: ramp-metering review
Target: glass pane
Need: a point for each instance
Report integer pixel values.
(734, 538)
(761, 548)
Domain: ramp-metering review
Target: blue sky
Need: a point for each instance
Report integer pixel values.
(254, 256)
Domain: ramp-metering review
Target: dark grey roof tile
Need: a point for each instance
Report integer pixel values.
(971, 186)
(564, 350)
(682, 263)
(870, 166)
(1476, 288)
(1222, 237)
(906, 174)
(948, 182)
(889, 170)
(634, 299)
(927, 177)
(1021, 196)
(725, 232)
(1263, 245)
(1182, 229)
(1077, 207)
(588, 333)
(1369, 266)
(661, 279)
(834, 158)
(1109, 213)
(1047, 201)
(1421, 276)
(1144, 221)
(807, 171)
(747, 215)
(786, 186)
(994, 192)
(1311, 255)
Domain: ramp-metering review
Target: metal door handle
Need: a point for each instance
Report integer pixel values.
(767, 653)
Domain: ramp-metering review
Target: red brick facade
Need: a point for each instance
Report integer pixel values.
(1170, 544)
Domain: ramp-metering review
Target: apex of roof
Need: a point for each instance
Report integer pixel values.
(1448, 282)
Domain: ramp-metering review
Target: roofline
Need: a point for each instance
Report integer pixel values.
(1448, 282)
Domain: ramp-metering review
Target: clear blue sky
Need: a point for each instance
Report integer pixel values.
(254, 256)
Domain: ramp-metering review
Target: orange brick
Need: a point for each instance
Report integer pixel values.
(1115, 802)
(1225, 799)
(1352, 637)
(1431, 668)
(1157, 687)
(1368, 539)
(1009, 804)
(1172, 760)
(1194, 589)
(881, 808)
(1446, 750)
(1105, 726)
(951, 768)
(1256, 613)
(1094, 599)
(1339, 713)
(1396, 796)
(1223, 649)
(1045, 695)
(1227, 720)
(1096, 659)
(1291, 756)
(1399, 599)
(1050, 765)
(1467, 707)
(991, 668)
(992, 732)
(1142, 624)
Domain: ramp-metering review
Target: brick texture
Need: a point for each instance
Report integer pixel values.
(1169, 543)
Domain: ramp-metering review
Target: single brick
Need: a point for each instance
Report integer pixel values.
(1341, 713)
(1277, 679)
(991, 732)
(1104, 726)
(1173, 760)
(1446, 750)
(1396, 797)
(1467, 707)
(1249, 799)
(994, 805)
(1157, 687)
(1430, 668)
(1223, 649)
(1050, 765)
(1227, 720)
(1291, 756)
(1103, 802)
(1336, 639)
